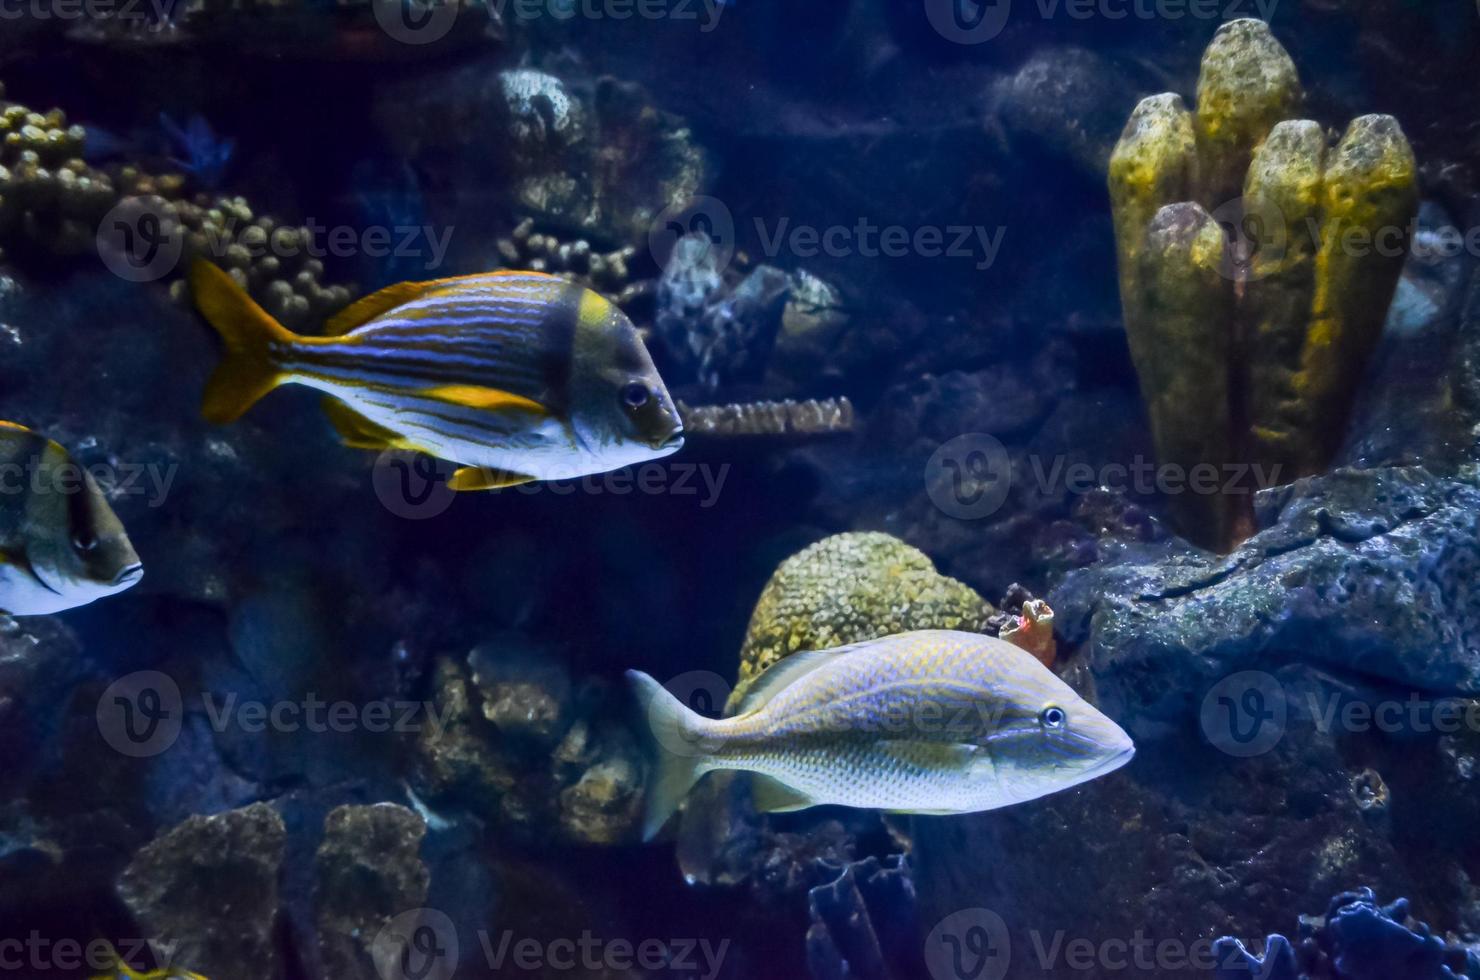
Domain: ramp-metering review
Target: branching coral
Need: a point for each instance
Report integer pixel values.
(780, 418)
(1257, 262)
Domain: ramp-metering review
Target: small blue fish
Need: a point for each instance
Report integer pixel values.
(203, 154)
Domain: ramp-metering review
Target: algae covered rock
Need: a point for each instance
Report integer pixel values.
(369, 871)
(209, 889)
(848, 588)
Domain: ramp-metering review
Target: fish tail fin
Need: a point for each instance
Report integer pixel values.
(678, 759)
(249, 369)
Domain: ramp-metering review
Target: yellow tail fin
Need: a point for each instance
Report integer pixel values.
(248, 370)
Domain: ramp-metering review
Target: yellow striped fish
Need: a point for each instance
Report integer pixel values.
(61, 545)
(934, 721)
(517, 376)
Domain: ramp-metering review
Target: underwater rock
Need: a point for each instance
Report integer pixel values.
(812, 323)
(525, 692)
(40, 662)
(715, 331)
(863, 924)
(1355, 594)
(1070, 101)
(848, 588)
(603, 774)
(522, 747)
(210, 886)
(1183, 841)
(369, 871)
(590, 158)
(1364, 571)
(1414, 407)
(457, 760)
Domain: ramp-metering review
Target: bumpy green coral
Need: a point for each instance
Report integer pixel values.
(1263, 366)
(848, 588)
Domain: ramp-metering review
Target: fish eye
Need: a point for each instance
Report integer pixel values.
(84, 541)
(635, 394)
(1052, 717)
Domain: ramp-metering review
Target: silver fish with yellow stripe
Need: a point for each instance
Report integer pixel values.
(933, 721)
(517, 376)
(61, 545)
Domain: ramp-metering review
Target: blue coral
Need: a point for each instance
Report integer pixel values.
(1357, 940)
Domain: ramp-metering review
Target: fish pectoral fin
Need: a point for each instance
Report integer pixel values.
(771, 795)
(358, 432)
(485, 478)
(484, 398)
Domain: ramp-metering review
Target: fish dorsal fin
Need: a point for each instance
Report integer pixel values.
(367, 308)
(15, 426)
(358, 432)
(783, 673)
(771, 795)
(487, 399)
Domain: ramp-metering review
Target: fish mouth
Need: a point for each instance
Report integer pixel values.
(128, 575)
(1111, 762)
(673, 443)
